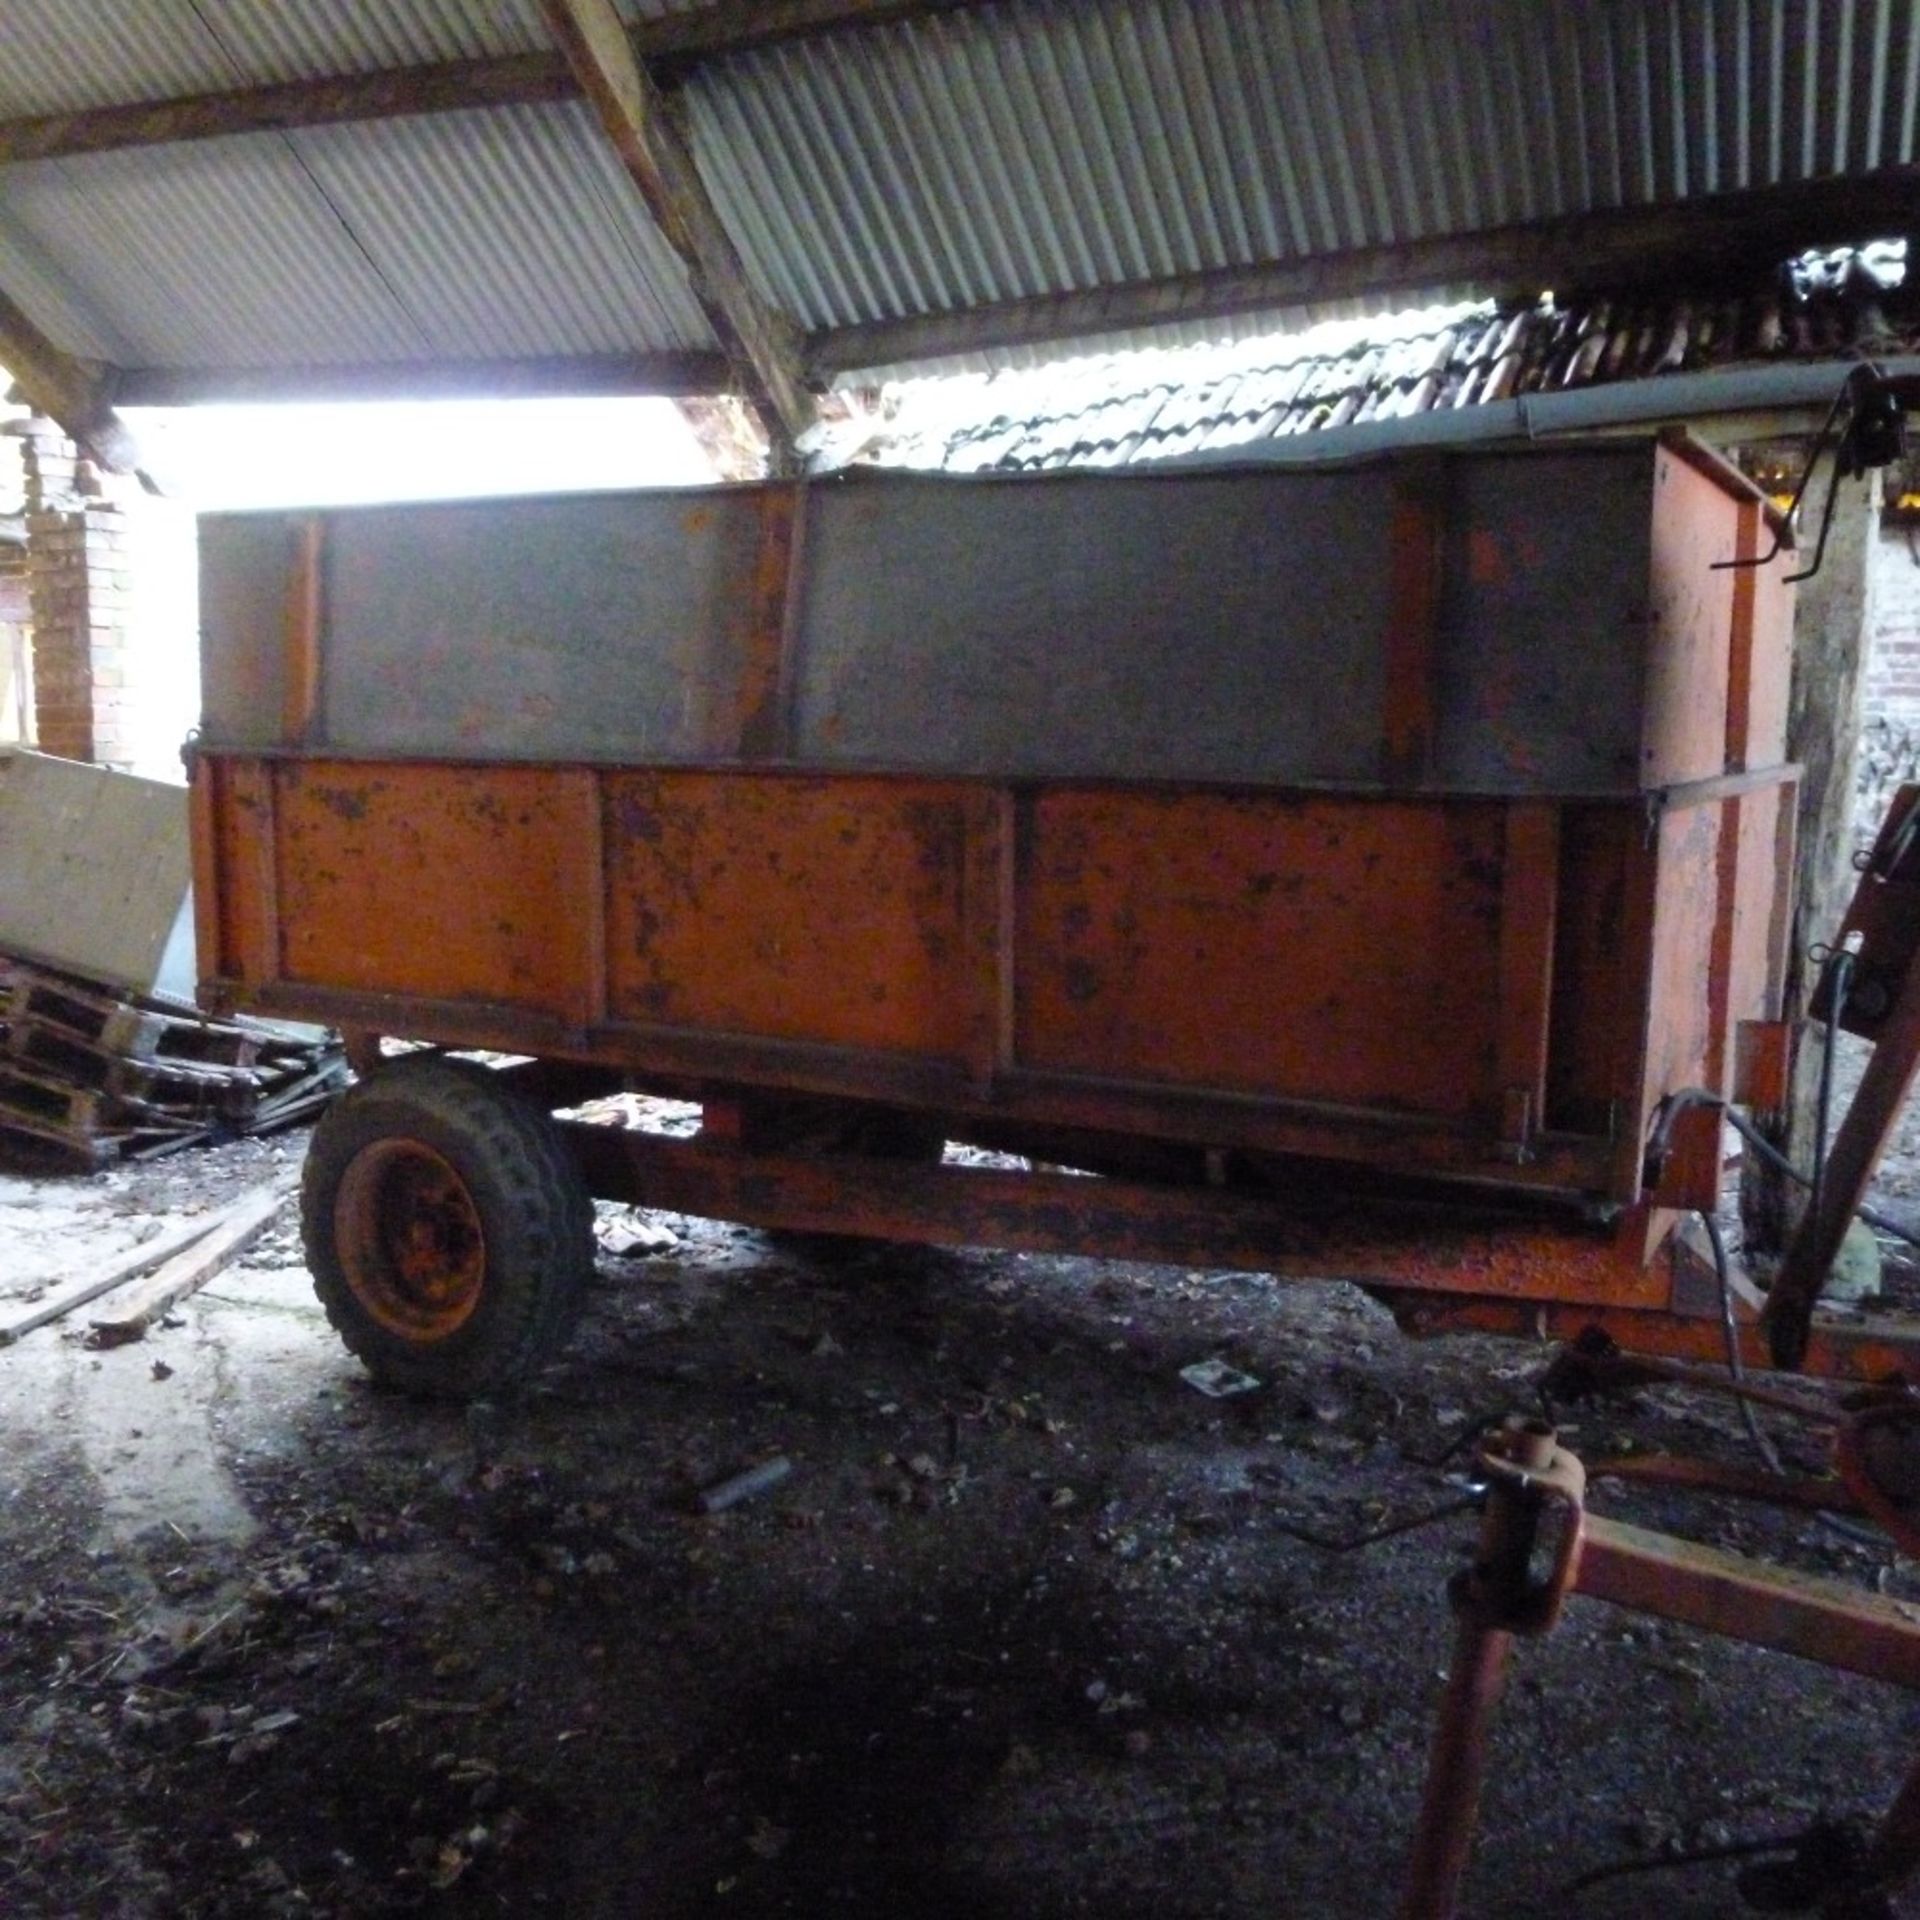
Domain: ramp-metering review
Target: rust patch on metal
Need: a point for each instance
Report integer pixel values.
(1332, 949)
(433, 880)
(760, 720)
(305, 625)
(800, 908)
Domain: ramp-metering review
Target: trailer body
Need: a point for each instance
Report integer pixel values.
(1415, 828)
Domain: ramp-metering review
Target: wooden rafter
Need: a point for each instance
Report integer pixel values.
(77, 394)
(761, 342)
(1620, 247)
(674, 375)
(669, 44)
(440, 88)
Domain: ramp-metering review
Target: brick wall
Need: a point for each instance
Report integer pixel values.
(77, 586)
(1890, 745)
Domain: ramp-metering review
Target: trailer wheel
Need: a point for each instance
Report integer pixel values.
(448, 1230)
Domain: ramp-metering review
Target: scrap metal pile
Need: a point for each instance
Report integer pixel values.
(100, 1072)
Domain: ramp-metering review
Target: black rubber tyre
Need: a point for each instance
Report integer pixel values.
(447, 1228)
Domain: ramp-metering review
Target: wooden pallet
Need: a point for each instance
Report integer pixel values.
(89, 1150)
(132, 1031)
(154, 1081)
(47, 1109)
(103, 1077)
(187, 1090)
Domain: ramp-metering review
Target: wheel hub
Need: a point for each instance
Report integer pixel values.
(410, 1239)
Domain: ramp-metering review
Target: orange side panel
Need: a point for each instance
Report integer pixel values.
(1319, 949)
(203, 782)
(1695, 524)
(1772, 661)
(1598, 970)
(1750, 994)
(242, 846)
(791, 908)
(447, 882)
(1681, 1047)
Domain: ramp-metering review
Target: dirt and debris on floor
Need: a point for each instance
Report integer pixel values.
(1030, 1625)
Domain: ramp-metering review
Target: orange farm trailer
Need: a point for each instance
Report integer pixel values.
(1376, 871)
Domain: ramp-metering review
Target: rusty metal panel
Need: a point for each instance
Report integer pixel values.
(1225, 627)
(1762, 1064)
(1530, 877)
(601, 626)
(1682, 1046)
(1771, 667)
(444, 882)
(1329, 950)
(1753, 962)
(1694, 526)
(1358, 977)
(246, 561)
(606, 626)
(1760, 643)
(1593, 1046)
(1543, 623)
(1488, 623)
(791, 908)
(1010, 796)
(240, 877)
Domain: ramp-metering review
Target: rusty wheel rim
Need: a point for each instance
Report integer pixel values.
(410, 1239)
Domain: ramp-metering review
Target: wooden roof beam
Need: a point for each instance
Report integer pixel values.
(670, 45)
(441, 88)
(1624, 247)
(78, 395)
(761, 343)
(570, 376)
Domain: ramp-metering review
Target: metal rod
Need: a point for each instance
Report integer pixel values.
(1848, 1169)
(1456, 1769)
(744, 1485)
(1493, 1590)
(1824, 1620)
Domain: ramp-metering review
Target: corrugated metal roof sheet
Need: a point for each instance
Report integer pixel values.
(1010, 149)
(45, 292)
(186, 251)
(509, 233)
(1021, 150)
(60, 55)
(1106, 411)
(538, 242)
(55, 59)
